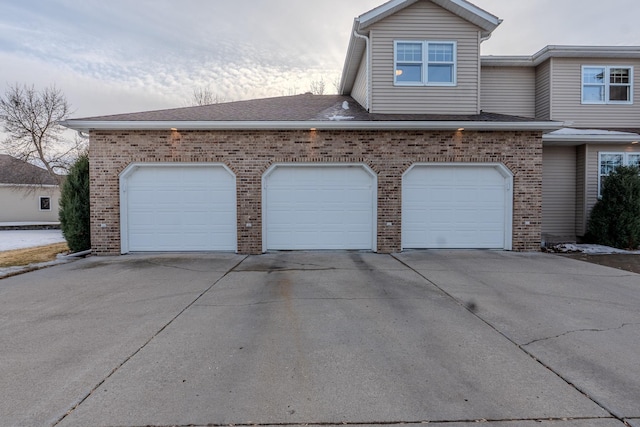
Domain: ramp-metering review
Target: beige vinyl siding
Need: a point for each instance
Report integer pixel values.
(566, 104)
(559, 191)
(581, 190)
(425, 21)
(22, 204)
(359, 91)
(543, 90)
(592, 159)
(508, 90)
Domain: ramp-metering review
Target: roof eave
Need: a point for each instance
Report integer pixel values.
(550, 139)
(354, 55)
(89, 125)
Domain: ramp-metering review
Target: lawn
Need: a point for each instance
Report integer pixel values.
(20, 257)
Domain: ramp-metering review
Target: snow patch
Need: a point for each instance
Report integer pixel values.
(345, 105)
(338, 118)
(20, 239)
(571, 131)
(590, 249)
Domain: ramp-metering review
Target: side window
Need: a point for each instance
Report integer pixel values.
(45, 203)
(607, 85)
(425, 63)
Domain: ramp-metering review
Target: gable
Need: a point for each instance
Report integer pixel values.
(415, 19)
(461, 8)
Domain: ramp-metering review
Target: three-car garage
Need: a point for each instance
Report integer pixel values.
(193, 207)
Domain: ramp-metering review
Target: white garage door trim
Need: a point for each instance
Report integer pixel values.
(128, 172)
(508, 203)
(374, 197)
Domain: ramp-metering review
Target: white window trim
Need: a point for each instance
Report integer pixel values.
(607, 85)
(625, 162)
(40, 204)
(425, 63)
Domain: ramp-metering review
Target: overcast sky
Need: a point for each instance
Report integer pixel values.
(116, 56)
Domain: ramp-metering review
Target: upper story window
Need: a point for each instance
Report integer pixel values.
(607, 84)
(425, 63)
(608, 162)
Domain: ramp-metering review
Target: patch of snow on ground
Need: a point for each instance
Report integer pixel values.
(20, 239)
(590, 249)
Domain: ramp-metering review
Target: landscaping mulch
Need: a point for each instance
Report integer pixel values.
(627, 262)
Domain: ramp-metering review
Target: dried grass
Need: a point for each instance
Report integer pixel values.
(20, 257)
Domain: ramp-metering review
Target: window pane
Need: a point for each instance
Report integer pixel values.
(45, 204)
(440, 73)
(619, 75)
(440, 52)
(409, 73)
(608, 162)
(619, 93)
(593, 75)
(409, 52)
(634, 160)
(593, 93)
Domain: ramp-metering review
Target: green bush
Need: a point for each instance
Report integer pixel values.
(74, 206)
(615, 219)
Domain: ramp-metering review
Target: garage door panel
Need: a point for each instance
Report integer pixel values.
(454, 207)
(180, 208)
(319, 207)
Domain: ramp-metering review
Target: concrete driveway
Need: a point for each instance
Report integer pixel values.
(451, 337)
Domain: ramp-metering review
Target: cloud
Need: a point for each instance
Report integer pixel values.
(122, 55)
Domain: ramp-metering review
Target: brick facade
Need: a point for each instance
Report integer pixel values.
(250, 153)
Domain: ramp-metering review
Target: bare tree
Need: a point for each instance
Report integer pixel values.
(31, 119)
(318, 87)
(204, 96)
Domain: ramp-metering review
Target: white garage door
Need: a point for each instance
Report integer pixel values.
(319, 207)
(457, 207)
(178, 208)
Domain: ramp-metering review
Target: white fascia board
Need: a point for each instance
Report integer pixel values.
(621, 52)
(507, 61)
(554, 51)
(585, 139)
(473, 13)
(352, 61)
(88, 125)
(462, 8)
(382, 11)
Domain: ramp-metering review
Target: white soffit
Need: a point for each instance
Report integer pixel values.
(569, 136)
(87, 125)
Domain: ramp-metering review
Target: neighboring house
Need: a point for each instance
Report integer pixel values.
(28, 194)
(429, 145)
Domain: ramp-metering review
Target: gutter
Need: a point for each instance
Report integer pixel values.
(611, 139)
(88, 125)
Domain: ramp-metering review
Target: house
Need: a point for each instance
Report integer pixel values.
(428, 145)
(28, 193)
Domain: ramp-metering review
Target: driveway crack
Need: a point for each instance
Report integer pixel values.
(132, 355)
(624, 325)
(522, 348)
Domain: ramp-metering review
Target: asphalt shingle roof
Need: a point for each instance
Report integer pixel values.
(305, 107)
(16, 171)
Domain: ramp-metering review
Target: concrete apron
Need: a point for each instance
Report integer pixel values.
(331, 338)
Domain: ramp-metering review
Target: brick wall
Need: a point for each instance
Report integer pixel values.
(250, 153)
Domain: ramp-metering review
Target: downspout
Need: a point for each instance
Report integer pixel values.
(482, 40)
(368, 70)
